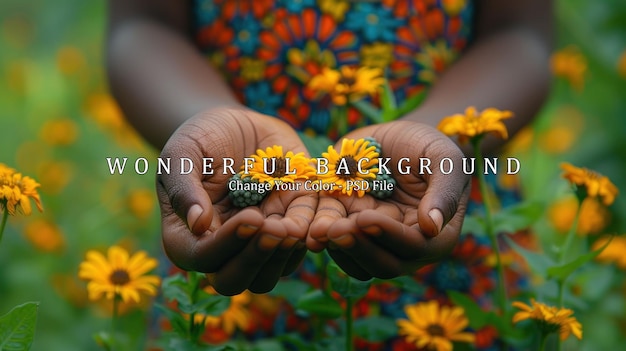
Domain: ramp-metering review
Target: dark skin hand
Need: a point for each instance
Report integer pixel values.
(247, 248)
(171, 95)
(416, 226)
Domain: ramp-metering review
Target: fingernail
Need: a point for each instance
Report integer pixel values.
(245, 230)
(192, 216)
(269, 241)
(345, 240)
(437, 217)
(288, 243)
(371, 230)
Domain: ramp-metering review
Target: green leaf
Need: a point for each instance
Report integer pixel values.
(561, 272)
(290, 290)
(538, 263)
(411, 104)
(474, 225)
(388, 103)
(17, 328)
(179, 324)
(477, 317)
(368, 110)
(344, 284)
(315, 144)
(207, 304)
(376, 328)
(406, 283)
(175, 288)
(318, 303)
(517, 217)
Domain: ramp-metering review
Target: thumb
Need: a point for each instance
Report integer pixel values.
(446, 195)
(183, 192)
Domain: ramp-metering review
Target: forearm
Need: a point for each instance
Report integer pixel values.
(508, 70)
(159, 78)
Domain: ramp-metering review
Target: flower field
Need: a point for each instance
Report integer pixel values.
(85, 244)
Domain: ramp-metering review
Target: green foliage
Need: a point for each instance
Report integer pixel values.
(189, 300)
(345, 285)
(319, 303)
(375, 328)
(17, 327)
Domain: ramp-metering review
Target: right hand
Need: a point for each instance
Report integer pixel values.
(240, 249)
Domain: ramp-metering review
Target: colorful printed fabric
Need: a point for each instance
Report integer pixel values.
(269, 50)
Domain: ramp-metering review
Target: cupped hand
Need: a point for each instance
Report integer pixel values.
(240, 249)
(417, 225)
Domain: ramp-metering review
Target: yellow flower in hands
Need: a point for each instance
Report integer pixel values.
(549, 318)
(17, 190)
(347, 84)
(343, 167)
(119, 275)
(273, 165)
(434, 327)
(475, 124)
(594, 184)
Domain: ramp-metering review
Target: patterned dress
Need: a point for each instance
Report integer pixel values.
(268, 50)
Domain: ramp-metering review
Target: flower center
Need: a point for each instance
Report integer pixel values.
(346, 167)
(347, 80)
(435, 330)
(372, 19)
(278, 166)
(119, 277)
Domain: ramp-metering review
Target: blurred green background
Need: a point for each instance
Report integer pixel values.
(58, 124)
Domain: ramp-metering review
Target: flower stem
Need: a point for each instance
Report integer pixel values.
(5, 216)
(349, 323)
(500, 288)
(563, 253)
(482, 183)
(114, 320)
(542, 342)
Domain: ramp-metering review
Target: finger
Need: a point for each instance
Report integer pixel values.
(328, 211)
(242, 269)
(444, 192)
(185, 193)
(273, 269)
(300, 214)
(397, 237)
(348, 265)
(369, 256)
(209, 251)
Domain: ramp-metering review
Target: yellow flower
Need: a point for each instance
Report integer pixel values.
(70, 60)
(594, 184)
(141, 202)
(272, 165)
(44, 235)
(593, 215)
(119, 274)
(61, 131)
(16, 190)
(614, 252)
(570, 64)
(347, 84)
(236, 316)
(557, 139)
(474, 124)
(434, 327)
(54, 175)
(344, 166)
(549, 318)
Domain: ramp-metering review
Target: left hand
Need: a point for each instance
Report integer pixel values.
(417, 225)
